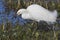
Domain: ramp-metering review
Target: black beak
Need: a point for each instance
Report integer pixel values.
(20, 15)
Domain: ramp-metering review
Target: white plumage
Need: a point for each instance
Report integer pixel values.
(38, 13)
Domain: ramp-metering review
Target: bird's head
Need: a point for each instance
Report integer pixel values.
(21, 11)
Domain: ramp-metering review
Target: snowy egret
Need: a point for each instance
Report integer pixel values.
(38, 13)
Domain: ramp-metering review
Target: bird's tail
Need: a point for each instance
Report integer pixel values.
(55, 13)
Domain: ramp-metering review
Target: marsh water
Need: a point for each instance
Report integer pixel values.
(9, 16)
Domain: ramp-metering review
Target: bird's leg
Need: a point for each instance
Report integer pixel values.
(49, 26)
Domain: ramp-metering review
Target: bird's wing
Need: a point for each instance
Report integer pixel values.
(40, 13)
(37, 8)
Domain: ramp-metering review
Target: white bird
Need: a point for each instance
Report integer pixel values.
(38, 13)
